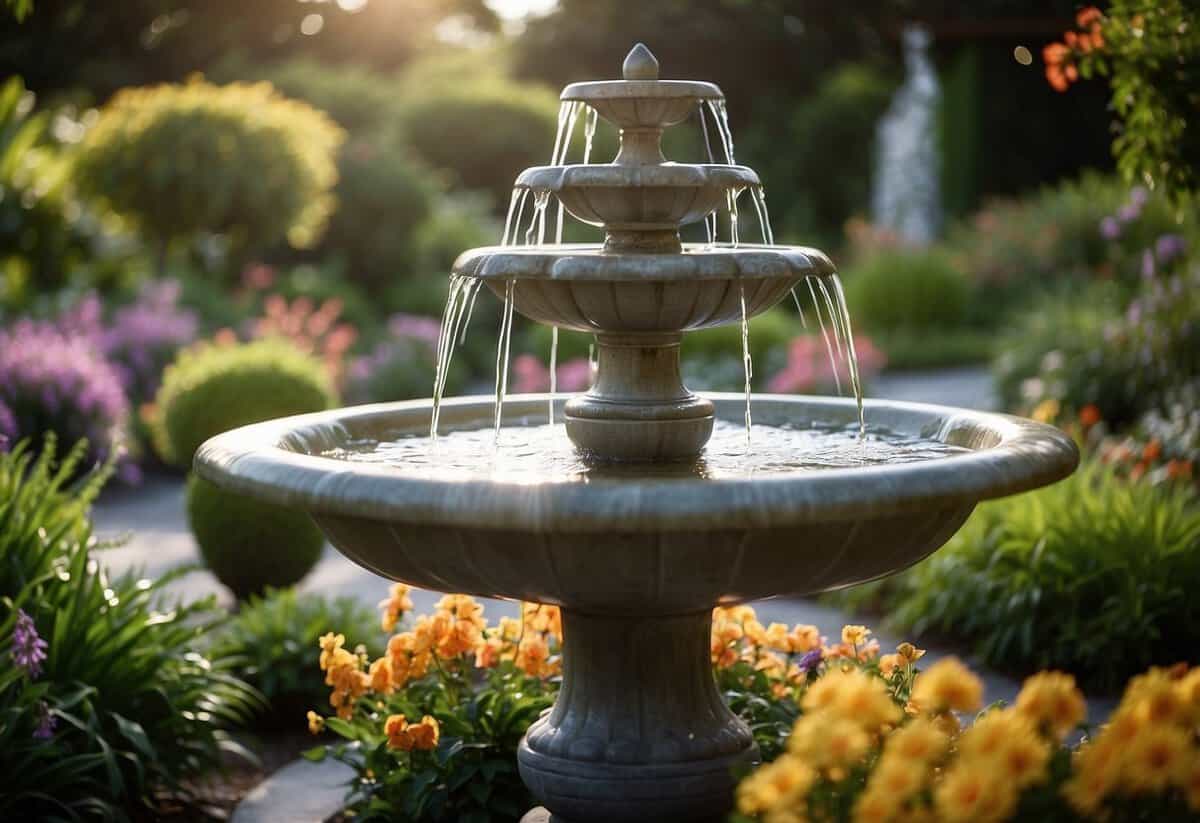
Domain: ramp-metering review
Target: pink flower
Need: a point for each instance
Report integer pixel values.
(530, 375)
(809, 367)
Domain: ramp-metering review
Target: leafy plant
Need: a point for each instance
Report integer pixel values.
(272, 637)
(908, 290)
(250, 545)
(1148, 50)
(108, 704)
(238, 160)
(54, 382)
(1092, 575)
(214, 387)
(855, 756)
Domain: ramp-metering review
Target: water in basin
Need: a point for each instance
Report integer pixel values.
(541, 453)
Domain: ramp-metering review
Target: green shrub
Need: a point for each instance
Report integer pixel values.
(919, 291)
(817, 157)
(384, 194)
(1093, 575)
(274, 636)
(360, 100)
(124, 707)
(943, 348)
(239, 160)
(250, 545)
(1015, 249)
(211, 388)
(482, 133)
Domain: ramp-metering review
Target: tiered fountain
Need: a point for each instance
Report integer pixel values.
(638, 529)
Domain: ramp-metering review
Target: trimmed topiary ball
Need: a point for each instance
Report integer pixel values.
(214, 387)
(250, 545)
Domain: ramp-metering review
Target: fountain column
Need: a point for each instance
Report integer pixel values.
(639, 731)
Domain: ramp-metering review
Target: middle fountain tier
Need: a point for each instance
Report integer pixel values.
(641, 289)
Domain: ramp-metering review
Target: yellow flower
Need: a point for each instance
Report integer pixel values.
(874, 807)
(898, 778)
(804, 638)
(1158, 756)
(755, 632)
(1023, 759)
(1155, 697)
(972, 794)
(330, 643)
(909, 653)
(948, 684)
(853, 635)
(395, 605)
(316, 723)
(1052, 701)
(777, 638)
(1188, 689)
(864, 699)
(777, 784)
(380, 674)
(988, 735)
(533, 657)
(1046, 411)
(919, 740)
(888, 664)
(1097, 766)
(824, 741)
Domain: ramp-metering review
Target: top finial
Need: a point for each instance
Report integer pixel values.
(640, 64)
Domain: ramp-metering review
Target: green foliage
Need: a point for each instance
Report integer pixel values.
(1151, 54)
(1093, 575)
(482, 133)
(274, 637)
(135, 709)
(239, 160)
(1015, 249)
(211, 388)
(908, 290)
(384, 195)
(818, 170)
(250, 545)
(936, 348)
(472, 775)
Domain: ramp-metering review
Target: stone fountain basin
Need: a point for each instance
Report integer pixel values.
(581, 287)
(640, 543)
(640, 104)
(649, 197)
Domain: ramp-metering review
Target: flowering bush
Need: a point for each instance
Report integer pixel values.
(105, 704)
(55, 382)
(313, 330)
(856, 754)
(1149, 51)
(432, 726)
(530, 374)
(1164, 446)
(403, 366)
(809, 366)
(1093, 575)
(271, 637)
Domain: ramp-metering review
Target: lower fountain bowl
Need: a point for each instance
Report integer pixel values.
(640, 544)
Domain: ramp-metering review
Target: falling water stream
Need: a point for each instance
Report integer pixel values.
(460, 303)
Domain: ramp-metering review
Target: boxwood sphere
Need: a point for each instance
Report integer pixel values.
(212, 388)
(247, 544)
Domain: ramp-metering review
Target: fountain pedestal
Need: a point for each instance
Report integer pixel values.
(638, 408)
(639, 731)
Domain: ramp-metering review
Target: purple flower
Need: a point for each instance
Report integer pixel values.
(1138, 196)
(1147, 264)
(8, 427)
(54, 381)
(145, 335)
(1110, 228)
(415, 326)
(28, 649)
(1168, 247)
(810, 661)
(45, 722)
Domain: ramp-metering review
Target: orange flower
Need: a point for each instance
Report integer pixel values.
(1087, 16)
(424, 735)
(1179, 469)
(1153, 451)
(396, 729)
(1055, 54)
(1089, 415)
(381, 676)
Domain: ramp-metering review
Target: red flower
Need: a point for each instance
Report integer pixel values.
(1089, 415)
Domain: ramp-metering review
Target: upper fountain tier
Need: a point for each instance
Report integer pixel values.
(641, 198)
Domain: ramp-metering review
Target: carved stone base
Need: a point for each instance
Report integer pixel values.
(639, 408)
(639, 731)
